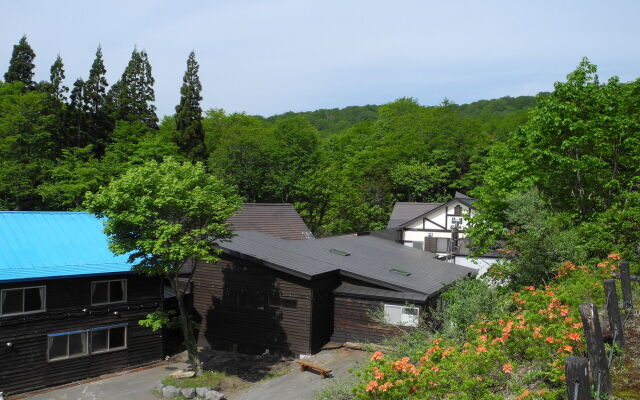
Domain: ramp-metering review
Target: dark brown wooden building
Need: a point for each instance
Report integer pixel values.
(294, 296)
(69, 308)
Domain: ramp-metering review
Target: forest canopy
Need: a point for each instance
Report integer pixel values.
(343, 169)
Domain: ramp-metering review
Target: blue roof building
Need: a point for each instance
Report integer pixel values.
(51, 244)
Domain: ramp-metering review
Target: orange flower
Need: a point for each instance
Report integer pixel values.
(435, 368)
(614, 256)
(507, 368)
(372, 386)
(479, 378)
(532, 288)
(481, 349)
(377, 355)
(549, 339)
(574, 336)
(385, 386)
(568, 348)
(577, 325)
(483, 338)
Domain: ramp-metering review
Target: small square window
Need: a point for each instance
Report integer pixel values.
(105, 292)
(58, 347)
(12, 301)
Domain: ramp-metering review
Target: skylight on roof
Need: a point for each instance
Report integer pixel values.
(400, 271)
(339, 252)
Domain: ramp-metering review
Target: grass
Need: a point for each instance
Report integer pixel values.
(275, 374)
(207, 379)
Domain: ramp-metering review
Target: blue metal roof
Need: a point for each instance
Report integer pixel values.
(53, 244)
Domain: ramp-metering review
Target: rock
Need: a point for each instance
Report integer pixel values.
(354, 346)
(214, 395)
(180, 374)
(202, 391)
(169, 392)
(188, 393)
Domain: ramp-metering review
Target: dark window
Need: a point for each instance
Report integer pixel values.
(105, 292)
(58, 347)
(457, 210)
(67, 345)
(108, 339)
(277, 302)
(250, 301)
(22, 300)
(117, 338)
(100, 340)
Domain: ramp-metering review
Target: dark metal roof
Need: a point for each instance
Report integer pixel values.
(403, 212)
(352, 290)
(370, 259)
(275, 219)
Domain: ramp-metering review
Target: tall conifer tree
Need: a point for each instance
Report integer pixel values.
(132, 97)
(21, 64)
(190, 136)
(57, 76)
(99, 124)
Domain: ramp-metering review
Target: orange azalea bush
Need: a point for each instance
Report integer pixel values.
(520, 354)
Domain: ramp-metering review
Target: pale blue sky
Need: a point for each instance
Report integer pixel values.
(271, 56)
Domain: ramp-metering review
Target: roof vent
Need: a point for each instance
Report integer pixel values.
(339, 252)
(400, 272)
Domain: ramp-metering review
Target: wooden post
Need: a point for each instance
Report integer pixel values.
(576, 370)
(615, 322)
(595, 348)
(625, 281)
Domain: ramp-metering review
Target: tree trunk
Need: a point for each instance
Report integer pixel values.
(187, 329)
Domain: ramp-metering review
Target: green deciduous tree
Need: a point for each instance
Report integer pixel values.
(164, 215)
(21, 65)
(190, 135)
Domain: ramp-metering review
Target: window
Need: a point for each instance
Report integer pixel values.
(250, 301)
(67, 345)
(457, 210)
(110, 338)
(62, 346)
(105, 292)
(401, 315)
(277, 302)
(22, 300)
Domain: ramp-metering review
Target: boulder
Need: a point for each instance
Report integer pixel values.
(188, 393)
(214, 395)
(170, 392)
(202, 391)
(180, 374)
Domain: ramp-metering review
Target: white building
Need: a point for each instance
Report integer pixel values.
(433, 227)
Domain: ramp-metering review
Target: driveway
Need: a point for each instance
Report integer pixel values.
(299, 385)
(133, 385)
(138, 384)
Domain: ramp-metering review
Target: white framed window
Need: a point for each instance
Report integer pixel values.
(109, 338)
(401, 315)
(62, 346)
(25, 300)
(108, 292)
(66, 345)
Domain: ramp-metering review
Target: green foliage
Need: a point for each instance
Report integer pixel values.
(465, 302)
(58, 89)
(162, 214)
(159, 319)
(516, 353)
(416, 181)
(21, 64)
(190, 135)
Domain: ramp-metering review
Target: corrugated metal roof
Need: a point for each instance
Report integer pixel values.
(403, 212)
(275, 219)
(370, 259)
(41, 244)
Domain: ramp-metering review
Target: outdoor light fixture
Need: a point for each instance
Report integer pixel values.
(9, 344)
(116, 313)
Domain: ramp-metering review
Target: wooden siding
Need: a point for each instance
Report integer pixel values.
(226, 326)
(353, 324)
(24, 366)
